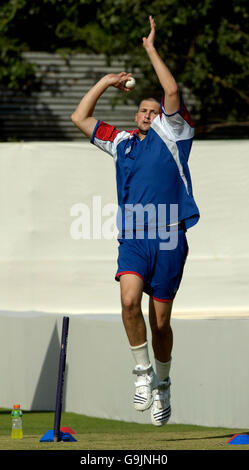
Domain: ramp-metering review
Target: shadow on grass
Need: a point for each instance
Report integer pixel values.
(6, 411)
(201, 438)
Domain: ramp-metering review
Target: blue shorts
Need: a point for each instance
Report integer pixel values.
(161, 270)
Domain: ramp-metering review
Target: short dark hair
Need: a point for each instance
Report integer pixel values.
(148, 99)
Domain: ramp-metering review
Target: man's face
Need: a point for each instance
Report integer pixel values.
(147, 111)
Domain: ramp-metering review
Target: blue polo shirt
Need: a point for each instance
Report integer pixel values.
(152, 174)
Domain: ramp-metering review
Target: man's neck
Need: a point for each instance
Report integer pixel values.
(142, 135)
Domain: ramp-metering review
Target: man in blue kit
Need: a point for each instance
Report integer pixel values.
(151, 171)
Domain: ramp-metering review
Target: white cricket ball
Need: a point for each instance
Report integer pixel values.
(131, 83)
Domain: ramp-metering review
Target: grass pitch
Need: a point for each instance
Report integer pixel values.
(102, 434)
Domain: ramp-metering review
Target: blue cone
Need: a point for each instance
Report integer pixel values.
(239, 439)
(63, 436)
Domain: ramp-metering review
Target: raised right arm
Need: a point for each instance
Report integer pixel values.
(82, 117)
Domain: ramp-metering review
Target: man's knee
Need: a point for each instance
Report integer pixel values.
(130, 302)
(160, 315)
(131, 293)
(161, 327)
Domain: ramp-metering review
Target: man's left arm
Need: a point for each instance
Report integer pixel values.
(165, 77)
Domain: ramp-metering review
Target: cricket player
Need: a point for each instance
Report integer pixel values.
(151, 172)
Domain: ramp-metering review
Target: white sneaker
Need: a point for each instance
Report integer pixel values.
(144, 385)
(161, 409)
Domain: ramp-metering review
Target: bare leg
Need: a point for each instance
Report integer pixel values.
(162, 335)
(133, 320)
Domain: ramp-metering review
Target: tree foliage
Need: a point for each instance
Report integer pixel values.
(204, 42)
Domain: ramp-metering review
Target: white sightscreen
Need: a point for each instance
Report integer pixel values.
(42, 268)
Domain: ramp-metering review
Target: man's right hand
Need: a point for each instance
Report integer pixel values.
(118, 80)
(82, 117)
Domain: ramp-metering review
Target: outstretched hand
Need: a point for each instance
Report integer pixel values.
(149, 41)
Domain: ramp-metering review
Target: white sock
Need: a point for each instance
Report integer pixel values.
(162, 369)
(141, 355)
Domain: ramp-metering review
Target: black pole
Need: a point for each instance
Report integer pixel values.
(60, 381)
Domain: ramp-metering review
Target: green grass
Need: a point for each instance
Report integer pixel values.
(103, 434)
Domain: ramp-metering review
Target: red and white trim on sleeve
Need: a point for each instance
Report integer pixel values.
(182, 111)
(186, 116)
(106, 132)
(107, 138)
